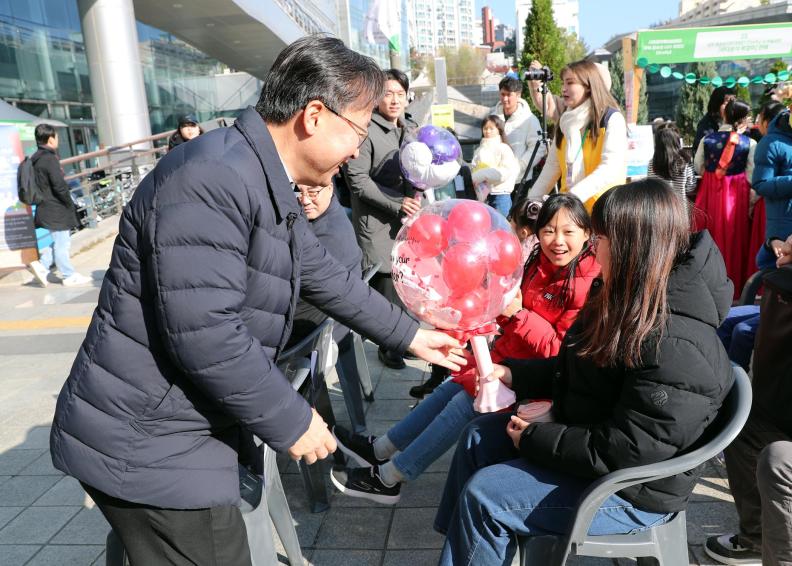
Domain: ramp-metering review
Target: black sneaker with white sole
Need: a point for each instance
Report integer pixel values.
(727, 549)
(359, 448)
(365, 483)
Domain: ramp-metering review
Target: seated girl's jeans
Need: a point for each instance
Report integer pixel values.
(431, 428)
(493, 494)
(738, 333)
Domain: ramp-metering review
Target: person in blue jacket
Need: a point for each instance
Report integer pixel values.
(772, 176)
(212, 254)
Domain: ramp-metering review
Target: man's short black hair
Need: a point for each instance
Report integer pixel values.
(511, 84)
(319, 67)
(399, 77)
(43, 133)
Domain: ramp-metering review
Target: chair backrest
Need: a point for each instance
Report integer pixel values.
(730, 420)
(751, 287)
(371, 271)
(319, 341)
(308, 344)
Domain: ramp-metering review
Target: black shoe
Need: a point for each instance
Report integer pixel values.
(359, 448)
(728, 550)
(365, 483)
(391, 359)
(439, 375)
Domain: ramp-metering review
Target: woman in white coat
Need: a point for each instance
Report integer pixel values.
(495, 168)
(590, 139)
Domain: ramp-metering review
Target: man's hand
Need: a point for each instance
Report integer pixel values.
(410, 206)
(316, 443)
(515, 428)
(437, 348)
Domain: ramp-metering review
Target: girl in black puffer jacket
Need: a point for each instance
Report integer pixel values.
(639, 377)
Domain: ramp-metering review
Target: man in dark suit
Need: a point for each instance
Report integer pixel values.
(211, 257)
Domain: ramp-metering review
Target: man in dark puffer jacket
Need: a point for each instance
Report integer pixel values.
(211, 254)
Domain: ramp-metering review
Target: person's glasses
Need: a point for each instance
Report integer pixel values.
(595, 240)
(312, 193)
(362, 133)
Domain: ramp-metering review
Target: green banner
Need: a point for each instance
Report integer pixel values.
(723, 43)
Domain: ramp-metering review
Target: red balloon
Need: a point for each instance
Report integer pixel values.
(505, 252)
(468, 221)
(463, 268)
(426, 235)
(471, 306)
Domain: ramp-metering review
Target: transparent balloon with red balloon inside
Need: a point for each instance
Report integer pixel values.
(457, 265)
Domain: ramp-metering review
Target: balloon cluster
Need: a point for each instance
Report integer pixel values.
(428, 157)
(457, 264)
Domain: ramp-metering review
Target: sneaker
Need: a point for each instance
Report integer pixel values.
(438, 376)
(391, 359)
(359, 448)
(365, 483)
(39, 272)
(727, 549)
(76, 279)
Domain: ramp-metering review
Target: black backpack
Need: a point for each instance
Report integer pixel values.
(27, 189)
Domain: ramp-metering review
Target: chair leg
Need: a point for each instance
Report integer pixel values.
(261, 539)
(540, 551)
(672, 548)
(325, 410)
(362, 368)
(280, 513)
(346, 369)
(315, 488)
(115, 553)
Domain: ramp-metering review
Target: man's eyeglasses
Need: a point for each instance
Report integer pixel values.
(362, 133)
(312, 193)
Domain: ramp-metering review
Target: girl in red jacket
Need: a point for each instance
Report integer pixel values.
(555, 284)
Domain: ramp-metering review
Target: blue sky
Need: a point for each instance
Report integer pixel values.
(599, 19)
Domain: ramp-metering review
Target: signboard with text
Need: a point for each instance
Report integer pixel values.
(17, 233)
(722, 43)
(443, 115)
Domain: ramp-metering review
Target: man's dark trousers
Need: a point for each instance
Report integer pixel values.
(151, 536)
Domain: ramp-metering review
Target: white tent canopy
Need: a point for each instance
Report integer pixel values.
(10, 113)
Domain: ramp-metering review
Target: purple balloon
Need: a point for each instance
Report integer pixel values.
(430, 134)
(445, 150)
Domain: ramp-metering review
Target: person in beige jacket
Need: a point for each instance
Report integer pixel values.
(494, 166)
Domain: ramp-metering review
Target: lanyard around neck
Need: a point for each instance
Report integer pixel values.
(582, 142)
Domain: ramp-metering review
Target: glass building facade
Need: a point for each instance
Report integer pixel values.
(44, 71)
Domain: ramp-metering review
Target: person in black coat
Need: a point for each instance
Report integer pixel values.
(212, 254)
(379, 194)
(56, 212)
(639, 377)
(186, 130)
(332, 227)
(713, 119)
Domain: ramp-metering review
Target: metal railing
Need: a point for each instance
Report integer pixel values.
(107, 178)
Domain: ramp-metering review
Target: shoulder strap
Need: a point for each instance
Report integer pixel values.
(605, 117)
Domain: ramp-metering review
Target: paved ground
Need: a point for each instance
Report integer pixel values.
(46, 519)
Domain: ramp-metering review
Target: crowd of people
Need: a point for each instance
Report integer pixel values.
(237, 245)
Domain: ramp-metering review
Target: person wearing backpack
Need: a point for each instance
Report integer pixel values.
(56, 210)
